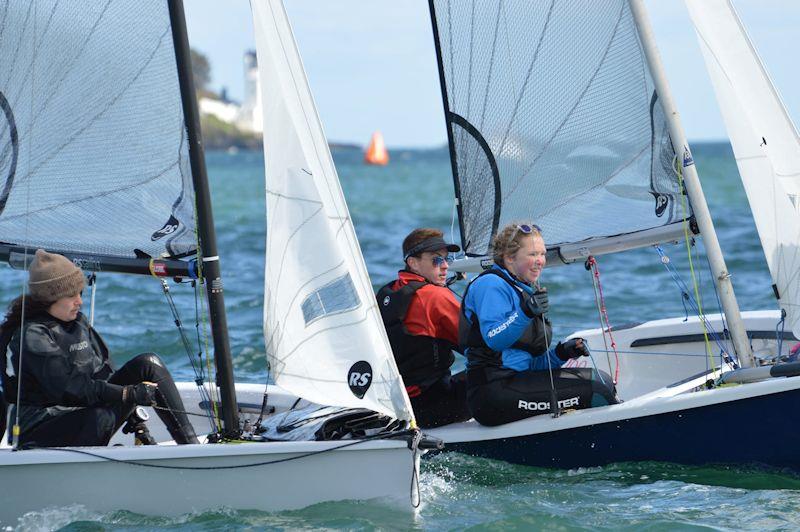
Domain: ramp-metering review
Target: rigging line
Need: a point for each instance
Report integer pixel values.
(197, 367)
(597, 299)
(687, 296)
(687, 239)
(608, 322)
(549, 141)
(554, 410)
(77, 450)
(15, 431)
(657, 353)
(201, 325)
(725, 334)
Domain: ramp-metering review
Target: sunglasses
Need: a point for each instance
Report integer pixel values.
(438, 260)
(526, 229)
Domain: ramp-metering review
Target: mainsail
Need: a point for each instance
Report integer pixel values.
(764, 140)
(553, 117)
(324, 336)
(93, 150)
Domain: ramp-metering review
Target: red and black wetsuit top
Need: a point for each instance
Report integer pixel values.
(421, 320)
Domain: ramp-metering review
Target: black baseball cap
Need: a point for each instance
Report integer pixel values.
(429, 244)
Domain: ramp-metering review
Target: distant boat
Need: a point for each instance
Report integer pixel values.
(376, 152)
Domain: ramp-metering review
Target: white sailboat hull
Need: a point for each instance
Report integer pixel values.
(159, 480)
(660, 352)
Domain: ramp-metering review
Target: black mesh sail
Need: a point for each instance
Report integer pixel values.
(93, 149)
(554, 118)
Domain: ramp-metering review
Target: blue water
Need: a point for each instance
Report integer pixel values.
(458, 491)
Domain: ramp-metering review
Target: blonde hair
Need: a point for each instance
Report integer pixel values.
(508, 240)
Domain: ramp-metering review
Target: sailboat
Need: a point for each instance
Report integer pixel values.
(376, 151)
(102, 161)
(563, 115)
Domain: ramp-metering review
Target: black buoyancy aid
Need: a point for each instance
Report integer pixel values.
(422, 360)
(66, 336)
(535, 338)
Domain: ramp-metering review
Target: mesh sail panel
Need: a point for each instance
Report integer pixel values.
(93, 152)
(554, 118)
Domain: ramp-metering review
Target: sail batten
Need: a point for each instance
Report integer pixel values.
(551, 117)
(324, 337)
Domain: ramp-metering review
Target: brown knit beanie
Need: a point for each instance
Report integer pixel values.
(52, 276)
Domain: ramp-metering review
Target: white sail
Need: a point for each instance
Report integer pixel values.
(325, 339)
(764, 139)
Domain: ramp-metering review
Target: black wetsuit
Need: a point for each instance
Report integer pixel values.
(499, 394)
(71, 395)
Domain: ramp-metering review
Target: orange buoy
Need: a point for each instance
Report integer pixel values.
(376, 152)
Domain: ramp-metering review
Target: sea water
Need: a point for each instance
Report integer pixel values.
(416, 190)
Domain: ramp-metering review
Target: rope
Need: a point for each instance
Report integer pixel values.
(725, 334)
(15, 430)
(695, 284)
(196, 367)
(77, 450)
(591, 264)
(201, 317)
(554, 411)
(708, 329)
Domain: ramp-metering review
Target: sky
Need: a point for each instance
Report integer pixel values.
(372, 64)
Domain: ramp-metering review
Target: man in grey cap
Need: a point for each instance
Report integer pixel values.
(421, 317)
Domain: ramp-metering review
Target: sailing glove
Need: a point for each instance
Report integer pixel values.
(142, 394)
(536, 304)
(572, 348)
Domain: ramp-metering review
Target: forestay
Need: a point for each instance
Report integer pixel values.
(764, 139)
(553, 117)
(93, 152)
(325, 340)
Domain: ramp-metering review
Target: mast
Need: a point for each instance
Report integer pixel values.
(205, 222)
(719, 270)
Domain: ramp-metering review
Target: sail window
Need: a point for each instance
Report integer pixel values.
(337, 296)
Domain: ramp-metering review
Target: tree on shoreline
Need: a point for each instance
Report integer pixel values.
(201, 71)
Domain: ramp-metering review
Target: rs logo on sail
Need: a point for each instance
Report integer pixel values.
(359, 378)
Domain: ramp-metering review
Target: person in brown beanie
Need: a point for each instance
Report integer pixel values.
(69, 393)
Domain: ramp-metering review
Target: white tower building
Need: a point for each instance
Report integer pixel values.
(249, 118)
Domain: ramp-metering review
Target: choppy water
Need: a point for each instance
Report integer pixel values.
(458, 491)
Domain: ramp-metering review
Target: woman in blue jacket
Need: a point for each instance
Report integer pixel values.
(512, 373)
